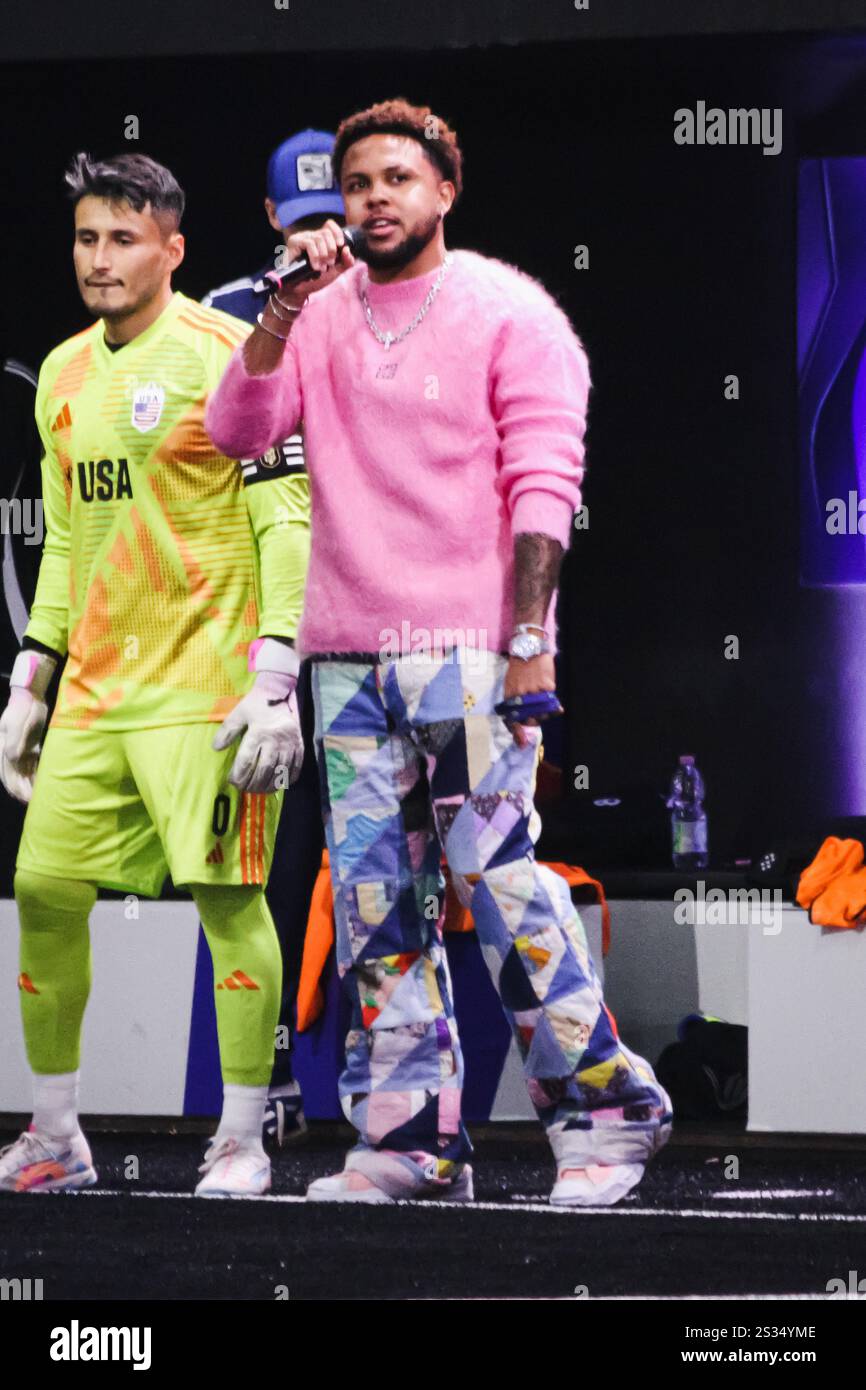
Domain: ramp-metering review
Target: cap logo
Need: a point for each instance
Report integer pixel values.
(314, 171)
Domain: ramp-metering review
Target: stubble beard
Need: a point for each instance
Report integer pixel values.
(399, 256)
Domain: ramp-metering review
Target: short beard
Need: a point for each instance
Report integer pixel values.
(400, 255)
(118, 315)
(113, 315)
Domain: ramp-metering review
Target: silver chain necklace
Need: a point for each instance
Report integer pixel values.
(386, 339)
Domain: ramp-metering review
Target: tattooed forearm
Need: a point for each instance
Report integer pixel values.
(537, 559)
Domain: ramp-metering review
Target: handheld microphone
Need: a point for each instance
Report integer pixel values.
(354, 237)
(539, 705)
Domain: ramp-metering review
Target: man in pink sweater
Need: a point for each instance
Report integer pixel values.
(444, 396)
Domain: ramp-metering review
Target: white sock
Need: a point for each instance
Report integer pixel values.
(55, 1104)
(243, 1112)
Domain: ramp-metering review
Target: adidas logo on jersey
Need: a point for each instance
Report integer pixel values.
(64, 420)
(237, 980)
(215, 856)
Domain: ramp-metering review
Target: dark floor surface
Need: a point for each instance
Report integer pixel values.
(793, 1219)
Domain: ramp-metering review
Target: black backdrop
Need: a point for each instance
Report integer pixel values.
(693, 498)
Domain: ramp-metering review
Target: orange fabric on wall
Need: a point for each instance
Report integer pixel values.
(842, 903)
(835, 857)
(833, 886)
(317, 943)
(320, 931)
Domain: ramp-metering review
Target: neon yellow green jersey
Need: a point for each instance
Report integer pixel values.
(150, 575)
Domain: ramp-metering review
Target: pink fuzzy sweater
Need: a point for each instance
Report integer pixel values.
(425, 460)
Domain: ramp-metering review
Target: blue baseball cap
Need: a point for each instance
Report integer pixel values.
(300, 178)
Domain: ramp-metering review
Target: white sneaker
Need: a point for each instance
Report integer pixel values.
(599, 1185)
(235, 1168)
(382, 1177)
(604, 1184)
(347, 1187)
(35, 1163)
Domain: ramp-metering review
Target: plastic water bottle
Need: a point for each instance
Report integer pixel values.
(688, 817)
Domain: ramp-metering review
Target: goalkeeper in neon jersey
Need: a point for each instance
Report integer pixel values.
(174, 591)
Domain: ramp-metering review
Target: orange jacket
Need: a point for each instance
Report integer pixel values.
(833, 886)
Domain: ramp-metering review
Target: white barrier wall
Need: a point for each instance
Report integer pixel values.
(798, 988)
(807, 1027)
(136, 1029)
(135, 1050)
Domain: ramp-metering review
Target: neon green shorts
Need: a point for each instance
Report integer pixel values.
(123, 810)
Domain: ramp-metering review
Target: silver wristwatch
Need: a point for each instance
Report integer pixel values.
(526, 644)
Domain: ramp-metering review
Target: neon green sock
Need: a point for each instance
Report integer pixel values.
(248, 978)
(55, 967)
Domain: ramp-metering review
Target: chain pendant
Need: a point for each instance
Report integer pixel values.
(386, 339)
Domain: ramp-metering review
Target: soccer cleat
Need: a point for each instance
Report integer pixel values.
(599, 1185)
(284, 1115)
(234, 1168)
(381, 1177)
(35, 1163)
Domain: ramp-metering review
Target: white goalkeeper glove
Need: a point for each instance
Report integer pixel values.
(22, 722)
(272, 750)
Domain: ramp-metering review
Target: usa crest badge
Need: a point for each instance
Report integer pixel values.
(147, 404)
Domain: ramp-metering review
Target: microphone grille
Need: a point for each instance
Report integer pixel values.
(357, 239)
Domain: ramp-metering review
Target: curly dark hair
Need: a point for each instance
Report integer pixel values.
(132, 178)
(398, 117)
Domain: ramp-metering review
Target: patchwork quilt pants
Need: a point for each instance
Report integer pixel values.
(412, 759)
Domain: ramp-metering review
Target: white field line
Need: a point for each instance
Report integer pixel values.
(648, 1298)
(769, 1195)
(721, 1298)
(538, 1208)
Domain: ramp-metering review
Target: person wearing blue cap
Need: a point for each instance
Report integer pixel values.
(301, 196)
